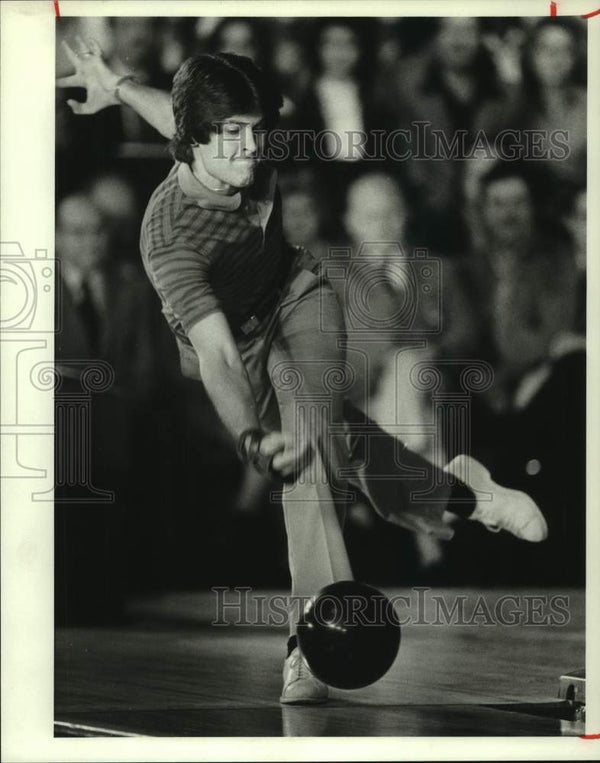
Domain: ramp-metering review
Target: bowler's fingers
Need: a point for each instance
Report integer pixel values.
(272, 443)
(84, 47)
(71, 55)
(88, 48)
(73, 80)
(78, 108)
(277, 447)
(293, 460)
(94, 47)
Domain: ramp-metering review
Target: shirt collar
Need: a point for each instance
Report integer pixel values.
(262, 190)
(203, 196)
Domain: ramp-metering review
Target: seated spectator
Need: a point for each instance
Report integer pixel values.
(114, 196)
(402, 315)
(338, 97)
(455, 87)
(290, 68)
(175, 43)
(504, 222)
(376, 211)
(554, 94)
(381, 301)
(303, 222)
(389, 317)
(504, 37)
(105, 304)
(576, 222)
(135, 51)
(103, 314)
(537, 440)
(508, 214)
(534, 307)
(243, 36)
(338, 109)
(375, 218)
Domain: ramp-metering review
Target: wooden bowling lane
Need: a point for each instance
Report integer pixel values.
(191, 679)
(335, 719)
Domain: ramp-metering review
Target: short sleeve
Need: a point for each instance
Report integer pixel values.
(181, 276)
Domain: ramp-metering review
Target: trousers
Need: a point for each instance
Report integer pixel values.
(300, 375)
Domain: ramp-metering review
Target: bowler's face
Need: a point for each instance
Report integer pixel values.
(231, 156)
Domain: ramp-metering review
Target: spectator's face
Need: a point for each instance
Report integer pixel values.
(300, 218)
(231, 157)
(375, 213)
(553, 56)
(133, 40)
(457, 43)
(338, 51)
(238, 37)
(287, 57)
(81, 237)
(508, 209)
(115, 199)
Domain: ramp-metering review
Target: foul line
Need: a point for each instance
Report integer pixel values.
(83, 727)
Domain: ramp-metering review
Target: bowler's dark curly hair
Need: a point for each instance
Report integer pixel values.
(209, 89)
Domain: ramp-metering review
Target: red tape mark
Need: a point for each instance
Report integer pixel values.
(56, 9)
(590, 736)
(554, 11)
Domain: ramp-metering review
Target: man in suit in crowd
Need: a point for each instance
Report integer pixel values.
(104, 314)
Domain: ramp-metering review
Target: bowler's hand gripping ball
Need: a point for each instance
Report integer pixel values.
(349, 635)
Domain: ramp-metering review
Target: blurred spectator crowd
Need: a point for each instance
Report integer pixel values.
(460, 263)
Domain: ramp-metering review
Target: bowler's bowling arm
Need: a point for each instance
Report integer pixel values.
(224, 374)
(151, 104)
(226, 382)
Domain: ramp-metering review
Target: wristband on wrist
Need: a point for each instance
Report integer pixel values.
(249, 451)
(249, 445)
(119, 83)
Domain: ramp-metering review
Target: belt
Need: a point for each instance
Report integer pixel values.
(304, 261)
(251, 324)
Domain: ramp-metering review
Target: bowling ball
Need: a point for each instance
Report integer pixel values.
(349, 634)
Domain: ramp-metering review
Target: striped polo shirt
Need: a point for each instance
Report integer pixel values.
(205, 252)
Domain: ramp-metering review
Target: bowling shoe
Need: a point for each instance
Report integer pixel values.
(503, 508)
(300, 687)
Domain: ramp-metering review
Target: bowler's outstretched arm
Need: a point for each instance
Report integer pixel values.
(106, 88)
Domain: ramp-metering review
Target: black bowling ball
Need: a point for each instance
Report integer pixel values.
(349, 634)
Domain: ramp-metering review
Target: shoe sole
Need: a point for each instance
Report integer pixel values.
(306, 701)
(458, 467)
